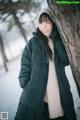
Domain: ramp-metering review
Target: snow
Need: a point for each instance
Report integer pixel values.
(10, 90)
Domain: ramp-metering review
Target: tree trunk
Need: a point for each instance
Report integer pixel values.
(67, 19)
(3, 54)
(19, 25)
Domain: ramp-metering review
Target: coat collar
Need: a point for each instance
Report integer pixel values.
(42, 38)
(40, 34)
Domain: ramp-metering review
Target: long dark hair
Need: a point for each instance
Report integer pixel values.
(45, 17)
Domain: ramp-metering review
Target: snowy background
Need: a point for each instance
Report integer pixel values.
(10, 90)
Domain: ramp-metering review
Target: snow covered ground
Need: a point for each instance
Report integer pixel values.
(10, 90)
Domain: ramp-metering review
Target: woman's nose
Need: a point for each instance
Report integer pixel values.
(46, 26)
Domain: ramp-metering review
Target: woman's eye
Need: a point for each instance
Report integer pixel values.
(48, 22)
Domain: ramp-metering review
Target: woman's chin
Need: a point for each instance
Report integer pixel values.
(47, 34)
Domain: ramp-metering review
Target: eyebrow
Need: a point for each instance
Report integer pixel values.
(48, 21)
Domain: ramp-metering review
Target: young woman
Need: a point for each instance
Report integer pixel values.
(46, 92)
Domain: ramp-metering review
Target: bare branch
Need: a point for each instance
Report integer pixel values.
(9, 7)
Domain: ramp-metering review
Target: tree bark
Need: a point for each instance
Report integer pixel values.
(67, 19)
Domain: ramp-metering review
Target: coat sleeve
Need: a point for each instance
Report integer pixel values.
(62, 52)
(25, 71)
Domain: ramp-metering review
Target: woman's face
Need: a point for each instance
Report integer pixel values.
(46, 27)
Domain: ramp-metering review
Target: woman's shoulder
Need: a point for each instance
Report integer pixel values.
(32, 44)
(34, 41)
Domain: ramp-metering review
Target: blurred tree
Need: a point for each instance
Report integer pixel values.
(3, 53)
(67, 19)
(10, 8)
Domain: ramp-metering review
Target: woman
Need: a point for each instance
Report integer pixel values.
(46, 92)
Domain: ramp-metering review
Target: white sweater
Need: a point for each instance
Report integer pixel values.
(52, 95)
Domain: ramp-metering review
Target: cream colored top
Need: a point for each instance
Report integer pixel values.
(52, 95)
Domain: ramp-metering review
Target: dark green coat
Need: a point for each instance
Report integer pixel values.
(34, 74)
